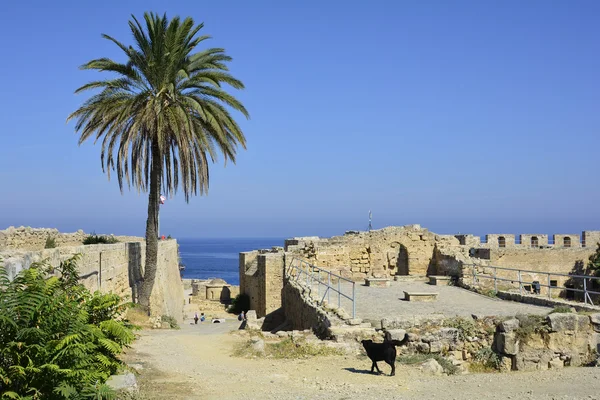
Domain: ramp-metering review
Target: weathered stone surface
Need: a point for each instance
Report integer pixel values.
(506, 343)
(423, 347)
(257, 345)
(595, 320)
(397, 334)
(506, 364)
(124, 382)
(432, 367)
(509, 325)
(413, 337)
(435, 347)
(556, 363)
(560, 322)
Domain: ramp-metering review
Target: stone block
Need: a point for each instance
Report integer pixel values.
(432, 367)
(506, 343)
(556, 363)
(423, 347)
(420, 296)
(440, 280)
(397, 335)
(377, 282)
(435, 347)
(509, 325)
(123, 383)
(561, 322)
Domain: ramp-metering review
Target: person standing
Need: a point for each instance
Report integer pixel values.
(196, 317)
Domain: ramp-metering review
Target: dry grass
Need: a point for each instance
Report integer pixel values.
(137, 317)
(286, 349)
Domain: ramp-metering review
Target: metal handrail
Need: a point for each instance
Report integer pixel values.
(310, 270)
(586, 292)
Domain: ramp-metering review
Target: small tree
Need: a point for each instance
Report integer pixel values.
(50, 243)
(594, 264)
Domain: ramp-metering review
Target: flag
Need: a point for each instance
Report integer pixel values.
(162, 199)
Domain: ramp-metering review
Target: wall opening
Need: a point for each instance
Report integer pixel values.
(501, 241)
(534, 241)
(567, 242)
(553, 283)
(402, 261)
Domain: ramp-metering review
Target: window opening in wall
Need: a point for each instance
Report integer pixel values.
(553, 283)
(567, 242)
(501, 241)
(534, 241)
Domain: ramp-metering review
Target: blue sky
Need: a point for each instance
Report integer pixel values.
(463, 116)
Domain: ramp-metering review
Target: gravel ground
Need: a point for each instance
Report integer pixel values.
(374, 303)
(196, 363)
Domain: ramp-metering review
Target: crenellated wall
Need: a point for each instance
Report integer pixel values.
(587, 239)
(116, 268)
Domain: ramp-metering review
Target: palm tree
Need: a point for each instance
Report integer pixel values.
(162, 116)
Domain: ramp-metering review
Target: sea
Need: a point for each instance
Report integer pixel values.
(219, 258)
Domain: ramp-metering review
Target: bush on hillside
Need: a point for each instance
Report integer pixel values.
(50, 243)
(100, 239)
(58, 340)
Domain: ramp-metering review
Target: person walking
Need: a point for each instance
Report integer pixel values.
(196, 318)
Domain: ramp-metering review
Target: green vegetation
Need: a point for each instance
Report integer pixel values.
(561, 309)
(288, 349)
(594, 262)
(58, 340)
(50, 243)
(446, 364)
(100, 239)
(530, 326)
(485, 360)
(466, 327)
(170, 320)
(239, 304)
(489, 293)
(162, 115)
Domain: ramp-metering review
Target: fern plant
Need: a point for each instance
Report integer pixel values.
(57, 340)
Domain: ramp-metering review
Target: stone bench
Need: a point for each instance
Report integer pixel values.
(377, 282)
(420, 296)
(438, 280)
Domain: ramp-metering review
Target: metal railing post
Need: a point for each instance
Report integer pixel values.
(495, 281)
(339, 293)
(328, 287)
(353, 301)
(549, 288)
(474, 275)
(520, 284)
(585, 293)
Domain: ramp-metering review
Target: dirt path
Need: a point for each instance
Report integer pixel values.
(196, 363)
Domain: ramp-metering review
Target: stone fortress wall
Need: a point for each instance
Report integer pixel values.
(27, 238)
(413, 251)
(116, 268)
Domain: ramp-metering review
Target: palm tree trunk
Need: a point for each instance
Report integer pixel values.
(151, 230)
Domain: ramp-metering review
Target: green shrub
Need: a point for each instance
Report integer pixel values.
(50, 243)
(58, 340)
(170, 320)
(489, 293)
(487, 360)
(466, 327)
(239, 304)
(100, 239)
(531, 325)
(561, 310)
